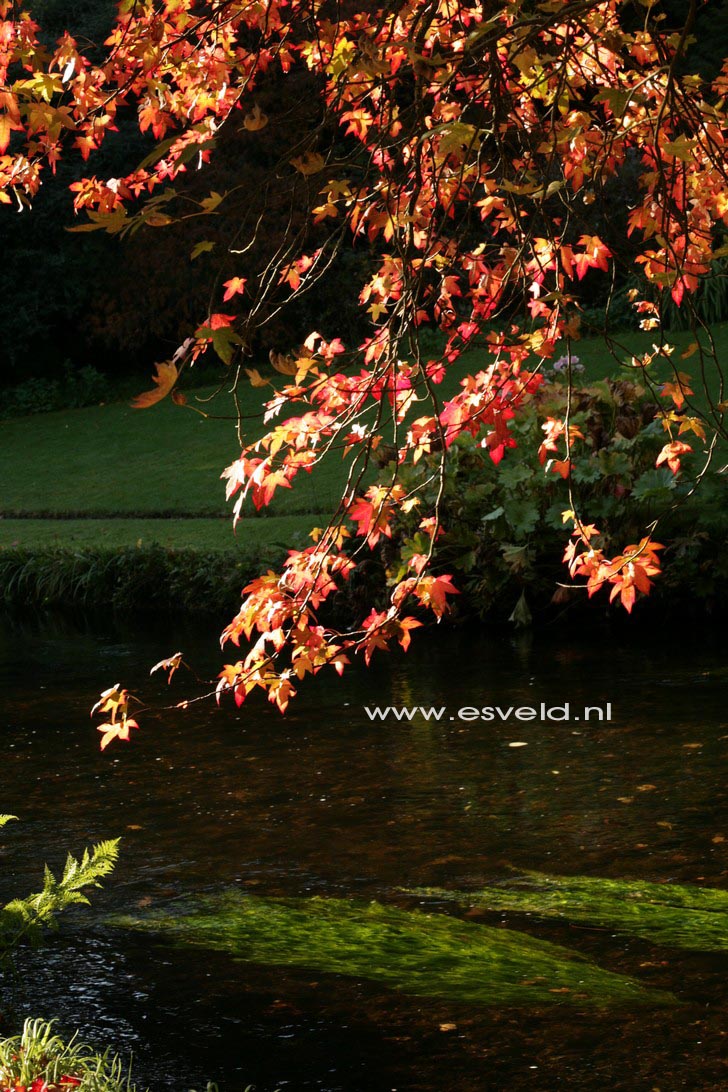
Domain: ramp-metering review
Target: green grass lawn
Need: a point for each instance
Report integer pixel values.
(113, 461)
(251, 536)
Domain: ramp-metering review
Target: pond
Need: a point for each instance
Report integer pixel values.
(327, 803)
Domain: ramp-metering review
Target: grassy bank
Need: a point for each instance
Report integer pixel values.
(142, 579)
(117, 461)
(251, 536)
(93, 499)
(112, 507)
(112, 460)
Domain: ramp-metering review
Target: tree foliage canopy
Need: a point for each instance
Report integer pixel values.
(492, 166)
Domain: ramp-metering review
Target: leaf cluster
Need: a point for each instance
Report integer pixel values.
(504, 523)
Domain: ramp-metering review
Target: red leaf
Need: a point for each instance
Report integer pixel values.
(235, 286)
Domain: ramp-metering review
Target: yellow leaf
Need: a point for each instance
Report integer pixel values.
(682, 148)
(165, 379)
(692, 348)
(303, 366)
(550, 190)
(201, 248)
(210, 203)
(114, 700)
(691, 424)
(527, 188)
(255, 120)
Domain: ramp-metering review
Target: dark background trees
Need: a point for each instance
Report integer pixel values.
(75, 301)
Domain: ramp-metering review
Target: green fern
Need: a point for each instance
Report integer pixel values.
(25, 919)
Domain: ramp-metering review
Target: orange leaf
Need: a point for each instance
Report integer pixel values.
(165, 379)
(7, 125)
(170, 664)
(671, 453)
(256, 379)
(255, 120)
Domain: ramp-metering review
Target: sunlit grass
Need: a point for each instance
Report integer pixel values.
(112, 460)
(251, 536)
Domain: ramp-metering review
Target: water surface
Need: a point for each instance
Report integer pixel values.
(327, 802)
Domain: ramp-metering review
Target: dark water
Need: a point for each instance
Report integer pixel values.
(327, 802)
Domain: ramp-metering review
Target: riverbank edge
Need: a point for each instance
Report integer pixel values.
(131, 579)
(194, 582)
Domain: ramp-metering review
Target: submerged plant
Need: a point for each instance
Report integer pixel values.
(429, 955)
(680, 917)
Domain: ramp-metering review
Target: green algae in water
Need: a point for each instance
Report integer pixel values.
(694, 918)
(417, 953)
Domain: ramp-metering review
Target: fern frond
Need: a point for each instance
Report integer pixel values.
(92, 867)
(24, 919)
